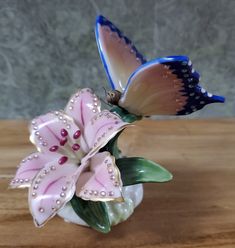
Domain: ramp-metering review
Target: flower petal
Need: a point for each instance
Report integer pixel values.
(82, 106)
(29, 167)
(102, 182)
(54, 131)
(51, 189)
(101, 128)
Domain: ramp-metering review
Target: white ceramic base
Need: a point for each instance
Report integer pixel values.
(117, 212)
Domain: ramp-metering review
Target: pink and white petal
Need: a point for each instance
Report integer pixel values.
(102, 182)
(53, 132)
(82, 106)
(29, 167)
(101, 128)
(51, 189)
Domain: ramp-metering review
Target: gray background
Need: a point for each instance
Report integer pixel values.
(48, 48)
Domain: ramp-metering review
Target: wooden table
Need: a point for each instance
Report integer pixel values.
(197, 209)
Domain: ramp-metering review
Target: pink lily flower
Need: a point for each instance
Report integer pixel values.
(68, 160)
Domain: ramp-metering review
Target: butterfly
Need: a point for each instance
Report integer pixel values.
(162, 86)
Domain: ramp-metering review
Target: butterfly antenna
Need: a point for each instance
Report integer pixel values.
(105, 102)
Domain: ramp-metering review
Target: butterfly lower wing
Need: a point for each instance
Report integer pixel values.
(119, 56)
(166, 86)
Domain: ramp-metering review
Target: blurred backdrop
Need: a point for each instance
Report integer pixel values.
(48, 48)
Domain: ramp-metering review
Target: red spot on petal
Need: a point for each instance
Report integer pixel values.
(63, 160)
(53, 148)
(77, 134)
(63, 142)
(76, 147)
(64, 132)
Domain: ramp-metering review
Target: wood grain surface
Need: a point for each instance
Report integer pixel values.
(196, 209)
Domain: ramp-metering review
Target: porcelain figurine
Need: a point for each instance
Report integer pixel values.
(78, 172)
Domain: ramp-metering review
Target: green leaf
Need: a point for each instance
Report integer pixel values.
(125, 115)
(95, 214)
(139, 170)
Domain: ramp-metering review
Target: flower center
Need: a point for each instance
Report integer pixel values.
(68, 147)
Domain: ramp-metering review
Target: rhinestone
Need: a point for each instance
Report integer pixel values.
(52, 167)
(23, 161)
(58, 202)
(46, 171)
(95, 104)
(56, 112)
(112, 177)
(77, 94)
(203, 90)
(34, 194)
(64, 121)
(21, 180)
(197, 97)
(70, 107)
(33, 122)
(110, 170)
(44, 143)
(193, 70)
(103, 193)
(91, 192)
(190, 86)
(41, 210)
(17, 180)
(35, 156)
(62, 194)
(192, 94)
(35, 187)
(94, 110)
(85, 191)
(38, 181)
(111, 193)
(26, 180)
(209, 95)
(202, 102)
(61, 117)
(64, 188)
(30, 158)
(96, 192)
(40, 138)
(68, 126)
(13, 181)
(116, 184)
(72, 100)
(190, 63)
(35, 128)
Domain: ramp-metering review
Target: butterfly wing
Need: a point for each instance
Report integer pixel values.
(119, 56)
(166, 86)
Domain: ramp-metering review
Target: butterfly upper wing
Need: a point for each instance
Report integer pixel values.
(119, 56)
(166, 86)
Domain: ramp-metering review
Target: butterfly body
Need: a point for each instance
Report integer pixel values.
(162, 86)
(113, 97)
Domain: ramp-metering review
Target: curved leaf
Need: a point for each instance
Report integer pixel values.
(139, 170)
(93, 213)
